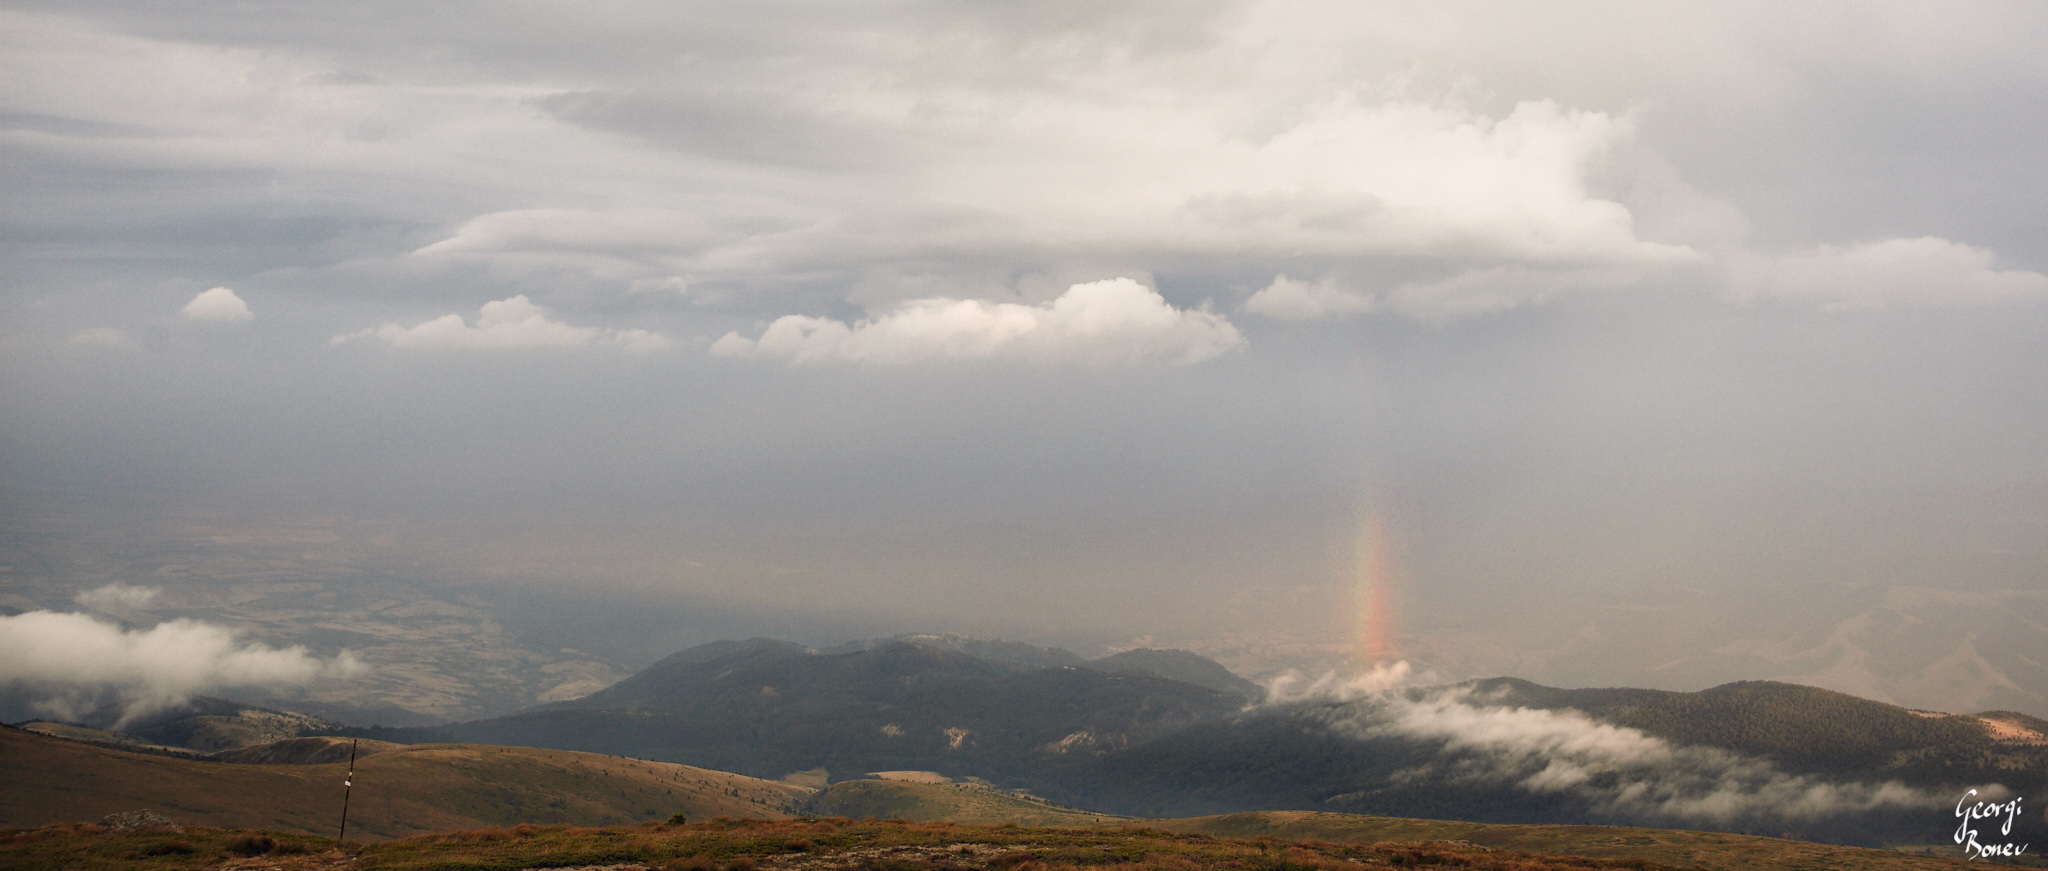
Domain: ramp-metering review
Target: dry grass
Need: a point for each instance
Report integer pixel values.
(1718, 850)
(755, 845)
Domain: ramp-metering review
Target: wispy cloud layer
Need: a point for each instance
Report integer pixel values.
(1101, 321)
(1926, 271)
(514, 323)
(104, 337)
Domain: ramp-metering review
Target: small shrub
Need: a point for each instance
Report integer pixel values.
(742, 863)
(691, 863)
(251, 844)
(679, 819)
(170, 848)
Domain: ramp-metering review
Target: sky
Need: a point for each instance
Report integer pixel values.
(1593, 343)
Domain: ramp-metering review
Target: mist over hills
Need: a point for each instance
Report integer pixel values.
(1756, 756)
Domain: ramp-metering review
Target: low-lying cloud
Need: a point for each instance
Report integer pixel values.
(1618, 771)
(76, 662)
(509, 324)
(116, 597)
(1118, 320)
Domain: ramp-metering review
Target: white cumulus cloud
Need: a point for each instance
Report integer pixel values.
(76, 660)
(218, 304)
(1421, 178)
(1895, 272)
(509, 323)
(1101, 321)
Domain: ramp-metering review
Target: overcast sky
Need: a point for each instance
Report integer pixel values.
(1073, 322)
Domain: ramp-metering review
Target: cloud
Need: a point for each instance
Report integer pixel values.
(1479, 292)
(1101, 321)
(1465, 294)
(1618, 770)
(641, 244)
(116, 597)
(218, 304)
(76, 660)
(1290, 300)
(1413, 177)
(1292, 686)
(1622, 770)
(509, 323)
(1926, 271)
(104, 337)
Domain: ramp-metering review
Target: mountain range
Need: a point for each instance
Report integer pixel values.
(1169, 733)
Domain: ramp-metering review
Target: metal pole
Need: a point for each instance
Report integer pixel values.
(347, 784)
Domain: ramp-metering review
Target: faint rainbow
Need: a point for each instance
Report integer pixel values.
(1378, 584)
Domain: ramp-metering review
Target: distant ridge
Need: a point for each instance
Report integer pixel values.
(1182, 666)
(993, 650)
(950, 703)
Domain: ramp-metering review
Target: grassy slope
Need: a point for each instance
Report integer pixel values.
(406, 791)
(789, 845)
(931, 802)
